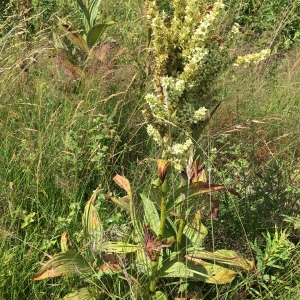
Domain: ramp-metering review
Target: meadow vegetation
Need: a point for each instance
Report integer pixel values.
(87, 115)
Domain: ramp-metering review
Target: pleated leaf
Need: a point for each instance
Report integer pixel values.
(91, 223)
(117, 247)
(62, 264)
(224, 257)
(82, 294)
(151, 214)
(197, 269)
(123, 183)
(65, 243)
(123, 202)
(93, 10)
(195, 231)
(95, 33)
(74, 37)
(160, 296)
(86, 13)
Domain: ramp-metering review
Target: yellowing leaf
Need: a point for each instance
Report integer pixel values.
(198, 269)
(117, 247)
(62, 264)
(123, 202)
(123, 183)
(195, 231)
(91, 223)
(82, 294)
(74, 37)
(65, 243)
(227, 257)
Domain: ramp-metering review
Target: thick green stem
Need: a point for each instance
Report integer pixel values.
(179, 234)
(153, 277)
(163, 208)
(162, 225)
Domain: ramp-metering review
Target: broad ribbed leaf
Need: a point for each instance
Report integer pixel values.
(225, 257)
(123, 202)
(93, 11)
(92, 226)
(151, 214)
(117, 247)
(197, 269)
(74, 37)
(65, 243)
(159, 296)
(95, 33)
(123, 183)
(195, 231)
(86, 13)
(82, 294)
(62, 264)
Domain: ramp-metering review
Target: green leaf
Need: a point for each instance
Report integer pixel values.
(160, 296)
(198, 269)
(95, 33)
(123, 202)
(64, 242)
(195, 231)
(117, 247)
(86, 13)
(74, 37)
(28, 219)
(62, 264)
(294, 220)
(151, 214)
(227, 257)
(92, 226)
(82, 294)
(93, 11)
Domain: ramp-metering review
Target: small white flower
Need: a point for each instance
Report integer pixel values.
(199, 114)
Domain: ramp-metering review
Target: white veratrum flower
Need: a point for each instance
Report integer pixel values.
(152, 102)
(199, 54)
(253, 58)
(179, 149)
(235, 29)
(172, 89)
(199, 114)
(154, 134)
(179, 86)
(177, 164)
(208, 21)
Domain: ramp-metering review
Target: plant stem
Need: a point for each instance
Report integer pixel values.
(152, 286)
(163, 207)
(162, 225)
(179, 234)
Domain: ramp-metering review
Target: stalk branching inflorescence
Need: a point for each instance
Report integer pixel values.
(192, 50)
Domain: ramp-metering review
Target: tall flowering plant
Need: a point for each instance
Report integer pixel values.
(166, 240)
(192, 50)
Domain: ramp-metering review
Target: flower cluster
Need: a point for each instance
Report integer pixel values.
(253, 58)
(192, 49)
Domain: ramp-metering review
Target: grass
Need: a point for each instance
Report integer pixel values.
(60, 139)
